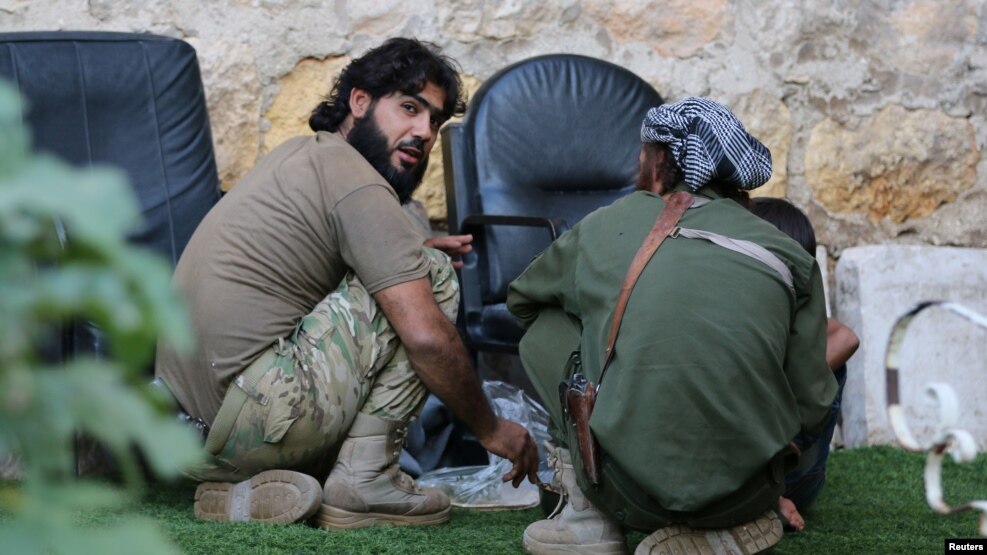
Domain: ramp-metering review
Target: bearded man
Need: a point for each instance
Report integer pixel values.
(324, 317)
(719, 363)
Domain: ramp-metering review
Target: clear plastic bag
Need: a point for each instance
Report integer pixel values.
(481, 487)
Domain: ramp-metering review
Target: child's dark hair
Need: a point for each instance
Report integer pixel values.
(788, 219)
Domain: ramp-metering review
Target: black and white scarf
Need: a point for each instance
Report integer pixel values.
(709, 143)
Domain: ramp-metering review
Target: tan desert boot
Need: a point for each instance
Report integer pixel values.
(579, 527)
(744, 539)
(367, 487)
(273, 496)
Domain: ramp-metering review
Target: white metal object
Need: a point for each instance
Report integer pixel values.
(949, 438)
(822, 259)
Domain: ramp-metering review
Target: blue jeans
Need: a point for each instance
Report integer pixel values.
(804, 483)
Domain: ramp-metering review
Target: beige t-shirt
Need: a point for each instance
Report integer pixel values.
(273, 247)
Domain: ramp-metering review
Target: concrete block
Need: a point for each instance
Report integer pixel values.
(875, 285)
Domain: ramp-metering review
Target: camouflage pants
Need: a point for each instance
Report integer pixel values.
(291, 408)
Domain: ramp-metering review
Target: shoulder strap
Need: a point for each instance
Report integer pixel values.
(669, 217)
(744, 247)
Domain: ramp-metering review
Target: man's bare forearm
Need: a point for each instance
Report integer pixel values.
(841, 343)
(436, 352)
(446, 370)
(441, 361)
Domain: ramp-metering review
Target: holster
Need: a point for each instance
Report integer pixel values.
(578, 396)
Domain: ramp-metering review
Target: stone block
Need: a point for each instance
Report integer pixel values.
(679, 28)
(301, 90)
(900, 164)
(875, 285)
(768, 119)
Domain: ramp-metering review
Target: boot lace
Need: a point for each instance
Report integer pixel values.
(403, 479)
(557, 465)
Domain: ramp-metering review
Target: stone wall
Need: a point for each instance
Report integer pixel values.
(874, 110)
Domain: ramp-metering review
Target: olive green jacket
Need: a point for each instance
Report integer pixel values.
(719, 363)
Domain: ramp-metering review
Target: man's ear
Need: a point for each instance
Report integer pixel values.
(360, 102)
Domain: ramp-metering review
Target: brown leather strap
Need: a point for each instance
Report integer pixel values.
(676, 205)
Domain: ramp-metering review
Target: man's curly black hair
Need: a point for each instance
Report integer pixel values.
(400, 64)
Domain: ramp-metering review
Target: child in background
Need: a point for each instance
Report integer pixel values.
(805, 482)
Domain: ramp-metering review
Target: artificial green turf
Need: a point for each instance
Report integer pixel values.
(874, 502)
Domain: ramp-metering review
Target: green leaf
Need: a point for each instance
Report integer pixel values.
(96, 205)
(112, 412)
(13, 139)
(88, 273)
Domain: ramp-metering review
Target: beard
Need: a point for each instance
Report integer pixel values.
(367, 138)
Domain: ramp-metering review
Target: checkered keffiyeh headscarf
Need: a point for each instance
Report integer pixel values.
(708, 143)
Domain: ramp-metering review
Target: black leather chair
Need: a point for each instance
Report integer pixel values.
(131, 101)
(543, 143)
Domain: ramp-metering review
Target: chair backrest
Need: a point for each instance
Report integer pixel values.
(554, 136)
(131, 101)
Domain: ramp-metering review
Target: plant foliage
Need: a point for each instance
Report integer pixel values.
(48, 276)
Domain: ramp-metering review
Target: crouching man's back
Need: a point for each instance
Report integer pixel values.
(720, 356)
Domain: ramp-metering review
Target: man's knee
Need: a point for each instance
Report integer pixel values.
(545, 349)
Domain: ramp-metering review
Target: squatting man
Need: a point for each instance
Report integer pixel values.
(720, 359)
(324, 317)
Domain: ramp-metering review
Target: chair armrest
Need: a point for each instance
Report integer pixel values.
(476, 277)
(555, 226)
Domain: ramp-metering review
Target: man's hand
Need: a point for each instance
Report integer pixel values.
(453, 245)
(439, 357)
(512, 442)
